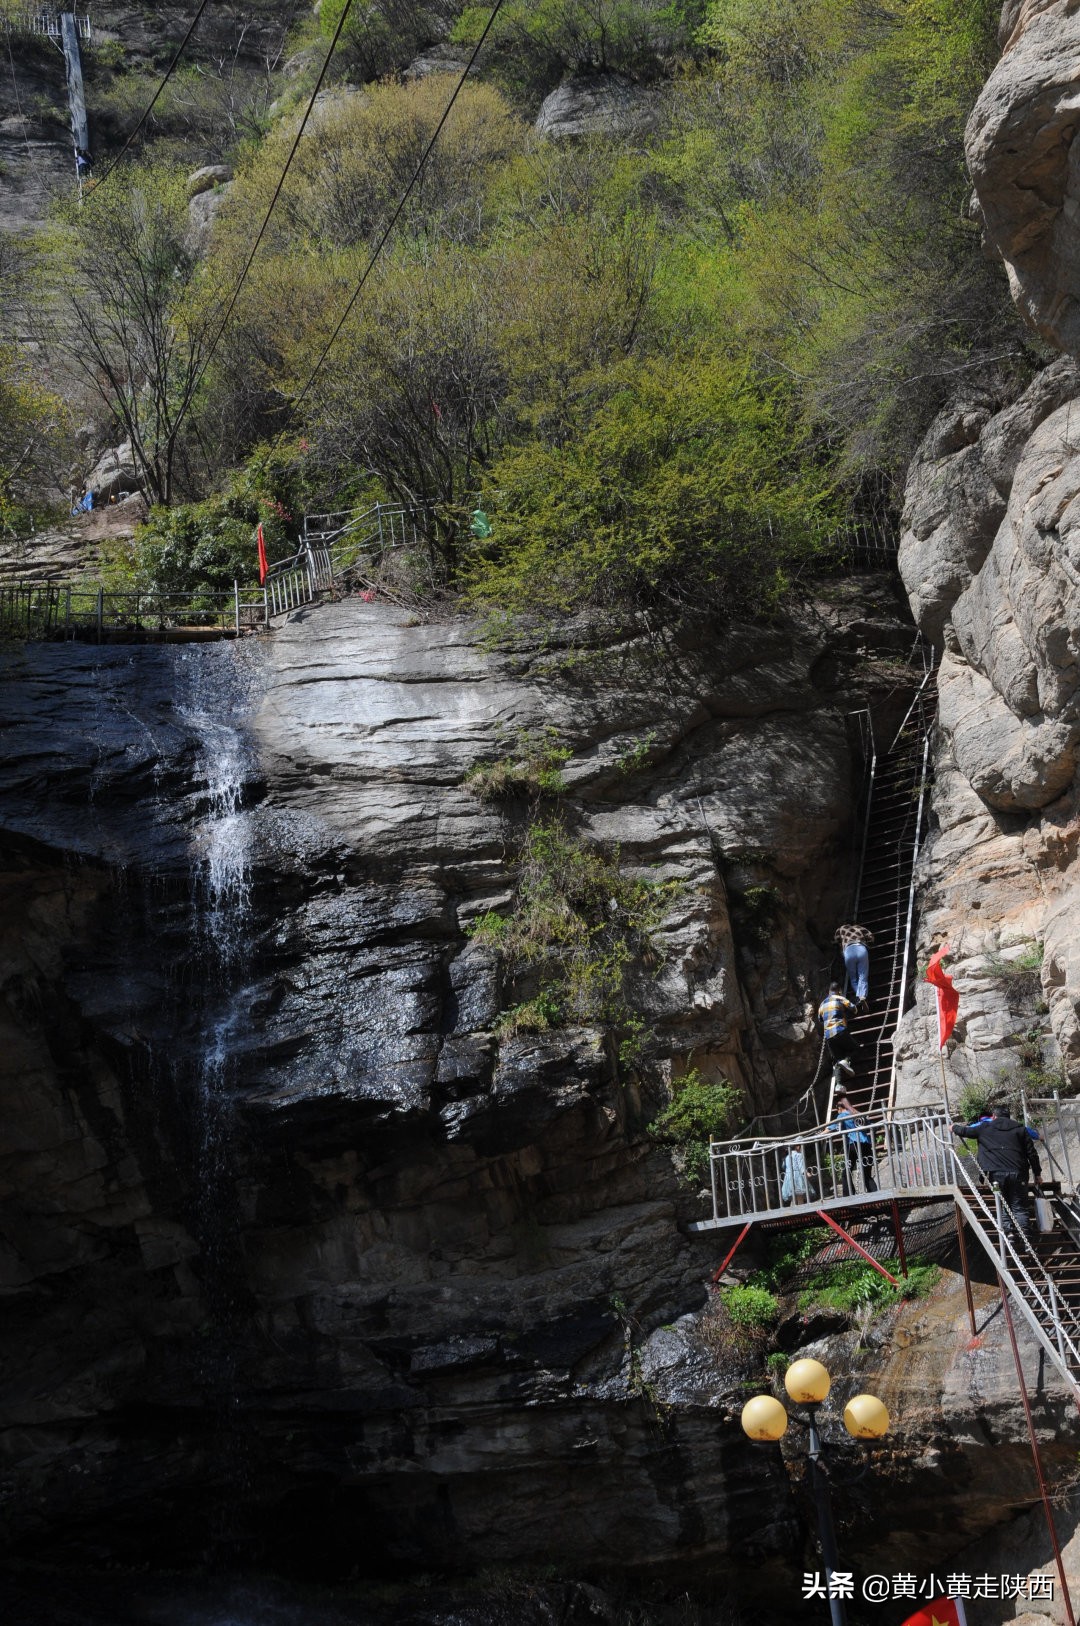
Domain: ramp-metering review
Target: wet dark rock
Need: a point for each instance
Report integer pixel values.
(296, 1242)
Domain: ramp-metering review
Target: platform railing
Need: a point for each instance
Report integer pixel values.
(58, 610)
(909, 1152)
(1058, 1123)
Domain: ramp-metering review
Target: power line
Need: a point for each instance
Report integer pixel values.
(417, 172)
(153, 101)
(380, 245)
(277, 194)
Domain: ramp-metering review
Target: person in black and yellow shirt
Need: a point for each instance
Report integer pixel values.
(836, 1015)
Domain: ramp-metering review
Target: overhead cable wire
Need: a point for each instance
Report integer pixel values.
(101, 179)
(381, 244)
(234, 296)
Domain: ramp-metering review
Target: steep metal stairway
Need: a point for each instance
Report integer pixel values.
(894, 831)
(1041, 1273)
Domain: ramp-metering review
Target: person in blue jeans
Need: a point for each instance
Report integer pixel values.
(860, 1146)
(854, 943)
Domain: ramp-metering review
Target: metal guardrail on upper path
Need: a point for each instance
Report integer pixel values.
(327, 559)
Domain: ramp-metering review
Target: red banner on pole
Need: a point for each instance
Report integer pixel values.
(948, 1000)
(942, 1612)
(263, 566)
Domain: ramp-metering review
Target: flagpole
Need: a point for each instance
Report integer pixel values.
(944, 1086)
(961, 1613)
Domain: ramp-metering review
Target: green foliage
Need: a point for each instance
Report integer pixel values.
(533, 768)
(977, 1097)
(777, 1363)
(535, 43)
(786, 1253)
(578, 928)
(135, 319)
(634, 757)
(683, 485)
(212, 543)
(754, 913)
(698, 1109)
(852, 1285)
(750, 1307)
(667, 367)
(531, 1016)
(383, 37)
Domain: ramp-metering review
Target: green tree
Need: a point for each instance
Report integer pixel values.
(136, 321)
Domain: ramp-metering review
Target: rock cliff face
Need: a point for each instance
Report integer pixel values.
(289, 1226)
(1020, 149)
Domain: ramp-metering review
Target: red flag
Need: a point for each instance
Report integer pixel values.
(948, 1000)
(942, 1612)
(264, 568)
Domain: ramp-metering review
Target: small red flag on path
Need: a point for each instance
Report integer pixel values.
(263, 566)
(942, 1612)
(948, 1000)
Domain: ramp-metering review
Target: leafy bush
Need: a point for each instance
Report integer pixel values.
(212, 543)
(977, 1097)
(535, 42)
(384, 36)
(683, 486)
(851, 1285)
(698, 1109)
(752, 1307)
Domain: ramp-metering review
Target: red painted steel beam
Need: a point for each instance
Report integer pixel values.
(850, 1239)
(732, 1251)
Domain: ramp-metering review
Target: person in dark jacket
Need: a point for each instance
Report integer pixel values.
(1008, 1158)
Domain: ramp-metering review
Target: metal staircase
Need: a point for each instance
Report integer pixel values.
(896, 822)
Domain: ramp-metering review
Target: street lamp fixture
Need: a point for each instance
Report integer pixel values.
(865, 1418)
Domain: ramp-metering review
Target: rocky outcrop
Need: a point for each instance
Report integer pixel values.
(114, 474)
(1020, 153)
(598, 104)
(282, 1201)
(958, 487)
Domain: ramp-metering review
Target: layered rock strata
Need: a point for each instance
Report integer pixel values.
(297, 1241)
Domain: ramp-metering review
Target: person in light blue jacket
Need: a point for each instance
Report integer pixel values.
(860, 1146)
(794, 1185)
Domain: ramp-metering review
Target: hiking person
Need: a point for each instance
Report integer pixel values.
(854, 944)
(1007, 1157)
(794, 1184)
(859, 1145)
(835, 1013)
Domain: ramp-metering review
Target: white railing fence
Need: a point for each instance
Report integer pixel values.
(748, 1179)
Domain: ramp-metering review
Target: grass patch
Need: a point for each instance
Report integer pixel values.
(531, 768)
(852, 1285)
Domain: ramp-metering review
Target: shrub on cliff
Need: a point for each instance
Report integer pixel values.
(579, 927)
(683, 485)
(699, 1110)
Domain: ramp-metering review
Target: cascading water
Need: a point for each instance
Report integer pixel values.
(211, 704)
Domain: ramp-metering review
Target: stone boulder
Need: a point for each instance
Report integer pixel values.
(1021, 156)
(598, 104)
(206, 178)
(958, 486)
(114, 472)
(204, 208)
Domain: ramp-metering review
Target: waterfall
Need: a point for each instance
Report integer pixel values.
(212, 703)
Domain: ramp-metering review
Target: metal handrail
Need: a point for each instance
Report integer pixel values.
(751, 1178)
(1063, 1348)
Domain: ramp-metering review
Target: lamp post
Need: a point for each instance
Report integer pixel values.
(865, 1418)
